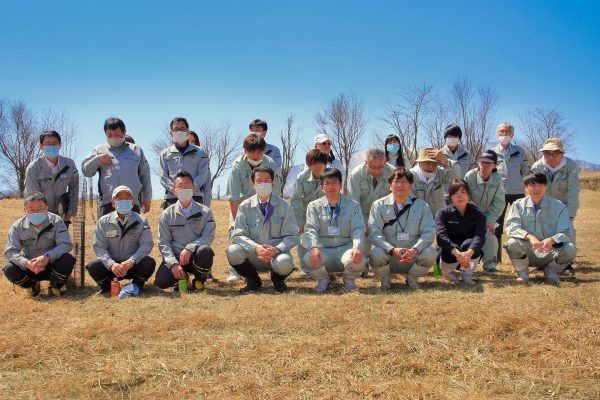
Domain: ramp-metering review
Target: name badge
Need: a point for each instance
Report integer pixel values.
(112, 234)
(402, 236)
(333, 231)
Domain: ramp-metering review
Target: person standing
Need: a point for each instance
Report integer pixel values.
(55, 176)
(512, 166)
(119, 163)
(394, 153)
(260, 127)
(454, 151)
(487, 193)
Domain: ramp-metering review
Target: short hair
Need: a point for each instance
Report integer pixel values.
(114, 124)
(184, 174)
(259, 123)
(400, 173)
(455, 186)
(49, 134)
(129, 139)
(254, 142)
(179, 119)
(375, 153)
(262, 169)
(35, 196)
(535, 177)
(331, 173)
(195, 136)
(506, 125)
(315, 156)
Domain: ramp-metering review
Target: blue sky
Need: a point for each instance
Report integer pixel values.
(147, 62)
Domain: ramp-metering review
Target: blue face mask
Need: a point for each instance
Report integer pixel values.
(37, 218)
(393, 148)
(51, 151)
(123, 206)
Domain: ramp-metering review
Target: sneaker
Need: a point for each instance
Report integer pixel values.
(197, 285)
(412, 282)
(52, 291)
(491, 267)
(468, 280)
(385, 283)
(322, 285)
(569, 271)
(211, 278)
(524, 277)
(551, 277)
(33, 291)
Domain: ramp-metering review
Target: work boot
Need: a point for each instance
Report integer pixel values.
(278, 282)
(322, 277)
(551, 272)
(521, 267)
(253, 281)
(414, 273)
(383, 274)
(33, 291)
(350, 284)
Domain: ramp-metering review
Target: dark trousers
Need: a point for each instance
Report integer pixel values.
(138, 274)
(200, 264)
(168, 202)
(509, 198)
(108, 208)
(56, 272)
(449, 258)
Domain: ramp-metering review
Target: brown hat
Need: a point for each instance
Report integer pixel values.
(553, 144)
(424, 155)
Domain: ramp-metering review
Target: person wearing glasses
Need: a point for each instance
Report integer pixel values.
(563, 178)
(323, 143)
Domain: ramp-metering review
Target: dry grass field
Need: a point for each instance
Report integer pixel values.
(497, 340)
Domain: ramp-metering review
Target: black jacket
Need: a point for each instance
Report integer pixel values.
(452, 229)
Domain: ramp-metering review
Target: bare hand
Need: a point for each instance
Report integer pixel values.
(315, 257)
(178, 272)
(535, 243)
(147, 205)
(41, 262)
(438, 155)
(408, 255)
(127, 265)
(301, 229)
(264, 253)
(33, 266)
(106, 159)
(356, 255)
(184, 257)
(491, 227)
(547, 244)
(118, 270)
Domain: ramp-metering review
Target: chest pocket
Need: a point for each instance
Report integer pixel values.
(559, 185)
(28, 242)
(174, 162)
(196, 225)
(254, 224)
(46, 239)
(45, 182)
(276, 222)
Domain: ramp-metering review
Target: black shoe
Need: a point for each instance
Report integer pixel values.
(279, 282)
(211, 278)
(253, 284)
(104, 290)
(569, 270)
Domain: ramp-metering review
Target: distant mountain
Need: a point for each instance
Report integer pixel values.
(587, 166)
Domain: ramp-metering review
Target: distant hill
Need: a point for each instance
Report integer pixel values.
(587, 166)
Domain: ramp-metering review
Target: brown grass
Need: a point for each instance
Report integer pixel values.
(496, 340)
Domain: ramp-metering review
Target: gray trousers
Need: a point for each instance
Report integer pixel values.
(379, 259)
(519, 248)
(281, 264)
(337, 259)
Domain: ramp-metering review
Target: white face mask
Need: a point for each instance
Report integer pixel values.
(185, 195)
(254, 163)
(115, 142)
(452, 141)
(179, 137)
(504, 139)
(264, 189)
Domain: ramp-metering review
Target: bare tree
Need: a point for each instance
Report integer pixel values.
(158, 145)
(290, 138)
(222, 147)
(344, 122)
(474, 118)
(19, 141)
(540, 124)
(436, 123)
(61, 122)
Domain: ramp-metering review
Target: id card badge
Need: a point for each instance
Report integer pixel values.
(333, 231)
(402, 236)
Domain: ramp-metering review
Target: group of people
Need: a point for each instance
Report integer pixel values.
(387, 220)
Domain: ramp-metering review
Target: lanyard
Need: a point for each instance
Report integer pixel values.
(333, 213)
(399, 213)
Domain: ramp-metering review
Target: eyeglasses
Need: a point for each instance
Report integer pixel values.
(326, 143)
(551, 153)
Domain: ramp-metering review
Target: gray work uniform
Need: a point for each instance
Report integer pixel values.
(116, 241)
(61, 188)
(562, 185)
(335, 237)
(177, 232)
(363, 190)
(414, 228)
(250, 230)
(552, 220)
(26, 242)
(433, 192)
(239, 184)
(307, 188)
(512, 165)
(273, 152)
(129, 167)
(488, 196)
(193, 160)
(463, 158)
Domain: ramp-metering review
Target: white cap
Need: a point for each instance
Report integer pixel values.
(120, 189)
(321, 138)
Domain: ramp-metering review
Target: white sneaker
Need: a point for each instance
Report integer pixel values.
(233, 277)
(524, 277)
